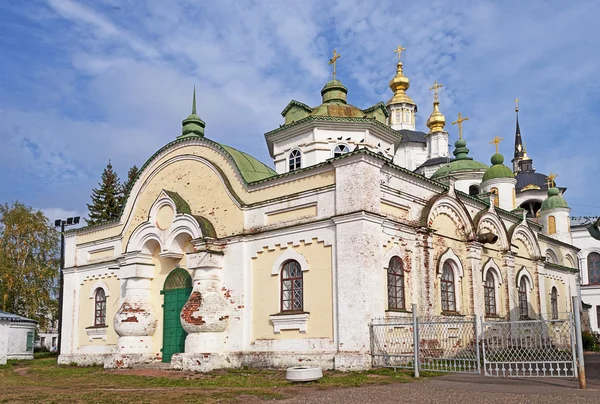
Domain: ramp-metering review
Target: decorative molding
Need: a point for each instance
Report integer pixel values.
(491, 264)
(99, 285)
(97, 333)
(289, 322)
(455, 211)
(457, 267)
(286, 256)
(524, 272)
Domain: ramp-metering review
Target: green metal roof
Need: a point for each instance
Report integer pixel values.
(461, 163)
(498, 170)
(554, 200)
(250, 168)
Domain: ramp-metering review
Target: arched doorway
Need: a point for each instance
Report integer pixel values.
(176, 290)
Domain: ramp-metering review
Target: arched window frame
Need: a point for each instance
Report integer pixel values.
(395, 284)
(496, 194)
(292, 282)
(448, 288)
(489, 293)
(295, 160)
(551, 257)
(554, 302)
(551, 224)
(340, 149)
(99, 308)
(473, 190)
(491, 269)
(450, 258)
(593, 268)
(523, 292)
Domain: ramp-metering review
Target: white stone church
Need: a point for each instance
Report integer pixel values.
(219, 261)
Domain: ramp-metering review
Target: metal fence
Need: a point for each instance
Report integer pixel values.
(529, 348)
(463, 344)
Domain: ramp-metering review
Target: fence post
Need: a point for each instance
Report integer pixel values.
(580, 363)
(573, 348)
(477, 344)
(416, 348)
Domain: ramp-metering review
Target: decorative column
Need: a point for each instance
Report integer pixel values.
(474, 250)
(427, 300)
(135, 321)
(541, 288)
(205, 316)
(508, 264)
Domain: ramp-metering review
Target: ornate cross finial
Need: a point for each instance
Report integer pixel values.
(550, 180)
(332, 61)
(497, 141)
(516, 105)
(459, 122)
(399, 51)
(435, 87)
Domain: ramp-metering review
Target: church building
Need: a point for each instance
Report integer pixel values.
(218, 260)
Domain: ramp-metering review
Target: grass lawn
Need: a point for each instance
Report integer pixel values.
(43, 381)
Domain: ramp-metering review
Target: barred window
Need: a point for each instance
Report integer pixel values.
(554, 303)
(100, 307)
(523, 305)
(447, 288)
(489, 291)
(340, 149)
(593, 263)
(395, 279)
(295, 160)
(292, 287)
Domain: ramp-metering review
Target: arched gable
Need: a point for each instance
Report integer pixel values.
(288, 255)
(491, 265)
(395, 251)
(488, 221)
(524, 272)
(521, 232)
(551, 255)
(454, 209)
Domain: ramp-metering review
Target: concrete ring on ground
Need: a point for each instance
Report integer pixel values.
(303, 373)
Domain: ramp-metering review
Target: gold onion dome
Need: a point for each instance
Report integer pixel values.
(399, 84)
(436, 120)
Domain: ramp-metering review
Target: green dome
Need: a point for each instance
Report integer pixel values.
(462, 162)
(334, 91)
(554, 200)
(497, 170)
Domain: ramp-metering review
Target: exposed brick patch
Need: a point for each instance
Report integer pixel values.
(193, 305)
(130, 319)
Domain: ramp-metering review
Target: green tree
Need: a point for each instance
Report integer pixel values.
(29, 261)
(131, 176)
(106, 200)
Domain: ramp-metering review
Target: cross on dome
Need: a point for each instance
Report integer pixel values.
(497, 141)
(333, 60)
(436, 86)
(399, 51)
(459, 122)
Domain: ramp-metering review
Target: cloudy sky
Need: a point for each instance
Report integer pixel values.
(82, 82)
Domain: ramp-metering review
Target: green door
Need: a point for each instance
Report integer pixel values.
(176, 291)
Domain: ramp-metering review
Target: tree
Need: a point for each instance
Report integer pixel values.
(131, 176)
(106, 200)
(29, 261)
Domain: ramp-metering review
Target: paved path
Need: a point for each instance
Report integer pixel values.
(466, 389)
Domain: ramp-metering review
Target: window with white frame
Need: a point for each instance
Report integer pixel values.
(593, 264)
(395, 282)
(295, 160)
(292, 287)
(523, 303)
(448, 288)
(340, 149)
(489, 290)
(554, 303)
(99, 308)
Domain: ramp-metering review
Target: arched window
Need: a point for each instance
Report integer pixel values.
(593, 264)
(496, 196)
(447, 288)
(554, 303)
(551, 225)
(395, 279)
(340, 149)
(292, 286)
(295, 160)
(473, 190)
(398, 116)
(100, 307)
(523, 305)
(489, 291)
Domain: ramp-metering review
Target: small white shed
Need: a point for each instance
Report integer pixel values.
(16, 337)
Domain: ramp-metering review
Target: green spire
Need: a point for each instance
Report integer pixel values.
(460, 150)
(193, 125)
(498, 169)
(554, 200)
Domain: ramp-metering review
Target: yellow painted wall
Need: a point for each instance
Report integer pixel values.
(102, 254)
(86, 310)
(318, 300)
(394, 211)
(563, 296)
(293, 214)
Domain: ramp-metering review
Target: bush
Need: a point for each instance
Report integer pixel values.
(590, 341)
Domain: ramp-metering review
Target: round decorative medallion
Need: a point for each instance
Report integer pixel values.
(164, 217)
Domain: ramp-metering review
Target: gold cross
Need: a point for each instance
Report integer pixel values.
(550, 180)
(459, 123)
(399, 51)
(497, 141)
(335, 57)
(516, 105)
(435, 87)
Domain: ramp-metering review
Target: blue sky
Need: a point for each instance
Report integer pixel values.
(82, 82)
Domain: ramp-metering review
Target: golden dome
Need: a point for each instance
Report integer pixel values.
(399, 84)
(436, 120)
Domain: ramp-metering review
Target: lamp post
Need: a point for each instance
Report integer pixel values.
(62, 224)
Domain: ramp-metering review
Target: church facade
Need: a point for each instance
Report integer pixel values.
(219, 261)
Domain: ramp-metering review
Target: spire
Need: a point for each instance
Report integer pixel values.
(519, 149)
(436, 120)
(192, 125)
